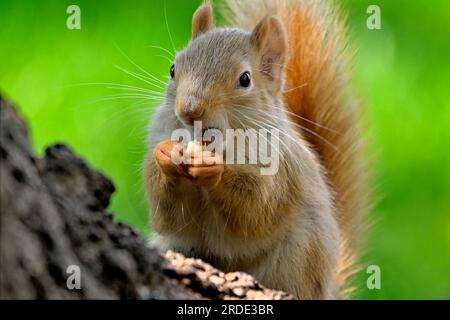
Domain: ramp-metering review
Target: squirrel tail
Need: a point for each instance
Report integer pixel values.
(318, 94)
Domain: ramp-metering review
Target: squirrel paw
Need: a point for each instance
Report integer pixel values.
(168, 158)
(205, 169)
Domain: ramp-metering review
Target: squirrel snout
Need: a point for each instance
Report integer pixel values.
(190, 108)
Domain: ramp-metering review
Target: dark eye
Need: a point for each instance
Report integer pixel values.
(244, 79)
(172, 71)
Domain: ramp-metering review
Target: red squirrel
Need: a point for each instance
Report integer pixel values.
(280, 65)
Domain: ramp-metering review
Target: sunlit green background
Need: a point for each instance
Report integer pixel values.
(402, 75)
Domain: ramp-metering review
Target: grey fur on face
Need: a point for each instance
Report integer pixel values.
(207, 60)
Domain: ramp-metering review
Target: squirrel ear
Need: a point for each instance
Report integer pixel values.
(269, 39)
(202, 20)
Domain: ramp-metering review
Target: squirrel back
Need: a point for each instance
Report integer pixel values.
(319, 100)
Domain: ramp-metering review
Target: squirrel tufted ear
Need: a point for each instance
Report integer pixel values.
(269, 39)
(202, 20)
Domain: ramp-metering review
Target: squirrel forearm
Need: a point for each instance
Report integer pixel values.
(163, 190)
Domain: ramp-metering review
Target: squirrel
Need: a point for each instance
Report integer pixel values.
(283, 65)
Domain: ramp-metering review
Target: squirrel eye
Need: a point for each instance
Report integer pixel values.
(244, 79)
(172, 71)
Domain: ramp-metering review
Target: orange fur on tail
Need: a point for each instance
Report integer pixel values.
(317, 91)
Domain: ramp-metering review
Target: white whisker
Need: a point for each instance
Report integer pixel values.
(167, 26)
(295, 88)
(139, 67)
(305, 119)
(287, 121)
(163, 49)
(143, 78)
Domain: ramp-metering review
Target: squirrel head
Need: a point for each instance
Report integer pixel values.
(223, 70)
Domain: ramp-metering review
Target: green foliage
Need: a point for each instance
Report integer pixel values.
(401, 76)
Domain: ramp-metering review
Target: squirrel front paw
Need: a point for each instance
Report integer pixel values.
(168, 156)
(205, 169)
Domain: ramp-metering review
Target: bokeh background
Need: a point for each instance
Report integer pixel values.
(65, 83)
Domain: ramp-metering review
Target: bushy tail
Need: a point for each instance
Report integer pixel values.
(318, 93)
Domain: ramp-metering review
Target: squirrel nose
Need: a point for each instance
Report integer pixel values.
(192, 110)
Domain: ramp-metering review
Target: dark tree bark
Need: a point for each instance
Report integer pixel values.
(54, 213)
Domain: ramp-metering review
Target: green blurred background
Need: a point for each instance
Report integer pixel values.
(401, 73)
